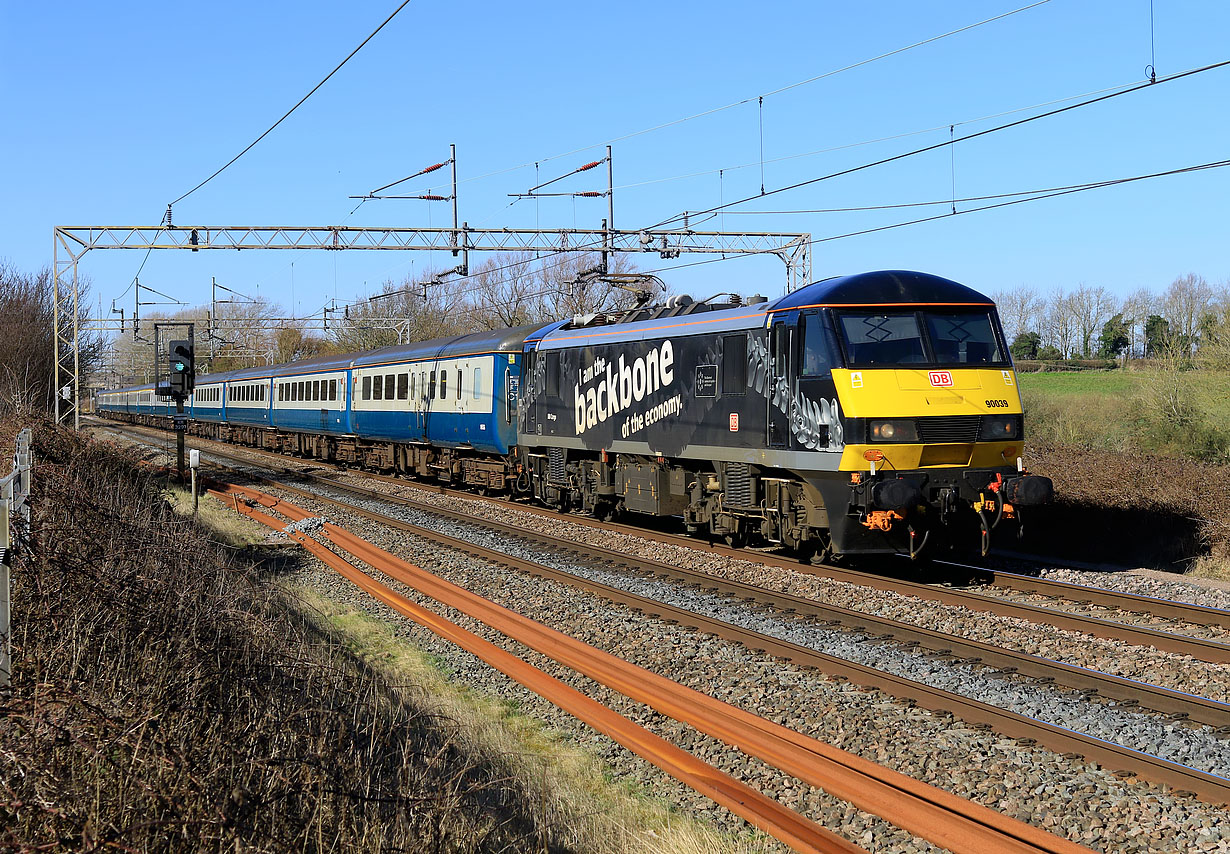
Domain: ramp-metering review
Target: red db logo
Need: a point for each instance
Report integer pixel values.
(940, 378)
(734, 422)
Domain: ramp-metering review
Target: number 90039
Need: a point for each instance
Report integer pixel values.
(997, 404)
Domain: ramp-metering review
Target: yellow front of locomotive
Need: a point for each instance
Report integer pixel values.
(932, 423)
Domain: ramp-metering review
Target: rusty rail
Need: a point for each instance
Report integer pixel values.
(933, 814)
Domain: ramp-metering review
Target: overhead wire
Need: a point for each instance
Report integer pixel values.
(752, 98)
(298, 104)
(1037, 196)
(975, 135)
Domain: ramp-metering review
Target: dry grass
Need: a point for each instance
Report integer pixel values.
(607, 817)
(227, 526)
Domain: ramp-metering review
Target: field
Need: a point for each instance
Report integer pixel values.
(1162, 410)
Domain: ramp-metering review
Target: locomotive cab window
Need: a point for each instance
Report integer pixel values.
(819, 348)
(882, 339)
(963, 339)
(921, 338)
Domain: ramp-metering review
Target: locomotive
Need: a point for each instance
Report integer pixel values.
(874, 413)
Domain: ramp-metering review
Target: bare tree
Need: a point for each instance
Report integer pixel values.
(1090, 308)
(1137, 307)
(1020, 310)
(1184, 304)
(1060, 328)
(27, 340)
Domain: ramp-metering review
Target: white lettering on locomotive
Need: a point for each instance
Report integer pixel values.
(620, 386)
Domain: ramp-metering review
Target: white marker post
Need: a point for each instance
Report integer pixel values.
(194, 462)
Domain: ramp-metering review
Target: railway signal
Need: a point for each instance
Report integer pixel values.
(182, 373)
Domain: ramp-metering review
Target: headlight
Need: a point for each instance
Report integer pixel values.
(901, 430)
(999, 428)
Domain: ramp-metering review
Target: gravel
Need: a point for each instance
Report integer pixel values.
(1065, 795)
(1062, 794)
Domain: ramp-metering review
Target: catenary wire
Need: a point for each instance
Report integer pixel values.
(976, 134)
(752, 98)
(1044, 194)
(286, 115)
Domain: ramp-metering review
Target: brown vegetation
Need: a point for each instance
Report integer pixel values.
(1130, 509)
(27, 341)
(164, 698)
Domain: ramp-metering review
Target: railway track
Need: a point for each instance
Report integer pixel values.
(1177, 704)
(1204, 649)
(944, 819)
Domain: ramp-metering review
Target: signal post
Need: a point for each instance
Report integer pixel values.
(180, 380)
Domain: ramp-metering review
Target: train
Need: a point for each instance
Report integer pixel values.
(874, 413)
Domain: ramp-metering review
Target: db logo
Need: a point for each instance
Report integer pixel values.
(940, 378)
(734, 422)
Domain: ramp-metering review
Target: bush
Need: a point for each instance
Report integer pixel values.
(165, 698)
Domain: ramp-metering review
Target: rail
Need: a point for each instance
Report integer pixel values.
(14, 502)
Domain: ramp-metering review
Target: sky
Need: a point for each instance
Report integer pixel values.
(112, 110)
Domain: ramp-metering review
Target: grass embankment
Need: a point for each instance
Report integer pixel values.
(168, 695)
(1137, 457)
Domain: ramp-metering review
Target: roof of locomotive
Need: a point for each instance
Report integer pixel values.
(880, 288)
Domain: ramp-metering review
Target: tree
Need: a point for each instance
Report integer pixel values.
(1049, 353)
(1114, 338)
(1059, 326)
(1090, 307)
(1157, 336)
(1025, 345)
(1019, 309)
(1184, 304)
(27, 340)
(1136, 307)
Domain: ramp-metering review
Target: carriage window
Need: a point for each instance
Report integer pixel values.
(459, 383)
(281, 391)
(403, 386)
(367, 388)
(443, 385)
(390, 385)
(966, 338)
(431, 387)
(478, 381)
(413, 385)
(734, 364)
(332, 389)
(378, 389)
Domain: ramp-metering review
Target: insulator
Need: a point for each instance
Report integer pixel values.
(432, 168)
(435, 198)
(591, 165)
(590, 194)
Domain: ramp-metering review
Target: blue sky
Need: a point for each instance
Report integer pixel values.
(113, 110)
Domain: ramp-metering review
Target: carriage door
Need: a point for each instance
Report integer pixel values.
(781, 346)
